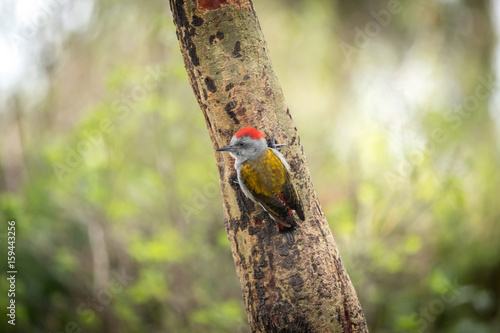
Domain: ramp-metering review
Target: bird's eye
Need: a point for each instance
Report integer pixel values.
(241, 144)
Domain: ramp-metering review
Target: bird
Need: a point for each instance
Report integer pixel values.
(264, 176)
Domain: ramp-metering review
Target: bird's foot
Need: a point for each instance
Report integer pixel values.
(289, 235)
(274, 144)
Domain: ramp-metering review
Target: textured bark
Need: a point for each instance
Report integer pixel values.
(286, 288)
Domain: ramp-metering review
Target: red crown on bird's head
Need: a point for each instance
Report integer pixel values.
(250, 132)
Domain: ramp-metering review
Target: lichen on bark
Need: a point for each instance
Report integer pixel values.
(299, 287)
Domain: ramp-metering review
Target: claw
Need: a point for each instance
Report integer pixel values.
(275, 144)
(289, 236)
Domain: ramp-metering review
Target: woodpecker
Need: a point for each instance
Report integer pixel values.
(263, 176)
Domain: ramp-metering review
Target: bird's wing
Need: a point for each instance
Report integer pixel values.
(269, 182)
(291, 198)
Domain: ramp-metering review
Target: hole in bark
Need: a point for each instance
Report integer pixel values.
(210, 84)
(236, 51)
(197, 21)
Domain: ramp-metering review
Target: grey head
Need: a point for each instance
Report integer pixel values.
(245, 148)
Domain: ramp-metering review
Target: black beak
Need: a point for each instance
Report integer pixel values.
(226, 148)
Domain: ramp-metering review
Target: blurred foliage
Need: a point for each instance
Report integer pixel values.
(109, 173)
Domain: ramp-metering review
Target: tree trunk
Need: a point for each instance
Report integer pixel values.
(302, 287)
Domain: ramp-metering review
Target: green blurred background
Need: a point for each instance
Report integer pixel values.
(108, 170)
